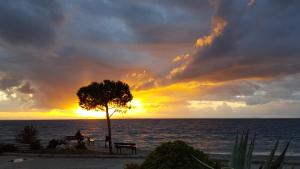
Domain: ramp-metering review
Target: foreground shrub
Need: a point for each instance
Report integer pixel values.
(80, 146)
(29, 136)
(132, 166)
(176, 155)
(54, 143)
(8, 148)
(36, 145)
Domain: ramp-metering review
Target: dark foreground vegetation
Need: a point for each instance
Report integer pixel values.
(169, 155)
(29, 135)
(179, 155)
(27, 141)
(8, 148)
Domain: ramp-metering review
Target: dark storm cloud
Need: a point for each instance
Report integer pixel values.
(254, 92)
(8, 82)
(255, 59)
(26, 88)
(29, 22)
(259, 41)
(153, 21)
(51, 48)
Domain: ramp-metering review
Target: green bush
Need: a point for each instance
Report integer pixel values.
(54, 143)
(80, 146)
(8, 148)
(27, 136)
(176, 155)
(36, 145)
(132, 166)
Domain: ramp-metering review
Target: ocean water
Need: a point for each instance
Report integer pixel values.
(209, 135)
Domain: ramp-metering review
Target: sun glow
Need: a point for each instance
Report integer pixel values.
(89, 113)
(136, 107)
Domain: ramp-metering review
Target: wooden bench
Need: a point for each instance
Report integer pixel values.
(131, 146)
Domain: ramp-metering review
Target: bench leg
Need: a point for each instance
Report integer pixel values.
(133, 150)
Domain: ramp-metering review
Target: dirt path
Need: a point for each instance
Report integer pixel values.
(66, 163)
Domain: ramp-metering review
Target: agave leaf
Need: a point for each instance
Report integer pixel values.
(239, 162)
(250, 152)
(240, 155)
(271, 156)
(279, 161)
(233, 161)
(243, 150)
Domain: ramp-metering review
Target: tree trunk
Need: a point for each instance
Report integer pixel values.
(109, 130)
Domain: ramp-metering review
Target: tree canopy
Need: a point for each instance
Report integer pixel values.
(108, 93)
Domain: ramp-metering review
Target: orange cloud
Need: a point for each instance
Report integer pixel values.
(218, 26)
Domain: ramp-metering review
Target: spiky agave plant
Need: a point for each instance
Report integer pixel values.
(278, 162)
(242, 152)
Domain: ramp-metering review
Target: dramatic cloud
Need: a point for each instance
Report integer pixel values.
(256, 41)
(51, 48)
(225, 57)
(29, 22)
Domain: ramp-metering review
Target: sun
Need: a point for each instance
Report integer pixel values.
(89, 113)
(134, 111)
(136, 103)
(137, 108)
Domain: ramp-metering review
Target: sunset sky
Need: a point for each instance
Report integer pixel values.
(181, 58)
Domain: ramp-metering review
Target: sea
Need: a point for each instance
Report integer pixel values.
(214, 136)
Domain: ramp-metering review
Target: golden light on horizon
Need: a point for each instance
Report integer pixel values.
(198, 104)
(89, 113)
(134, 111)
(137, 107)
(156, 102)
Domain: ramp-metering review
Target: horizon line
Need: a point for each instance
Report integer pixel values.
(181, 118)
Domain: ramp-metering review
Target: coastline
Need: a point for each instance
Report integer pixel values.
(214, 137)
(36, 161)
(257, 159)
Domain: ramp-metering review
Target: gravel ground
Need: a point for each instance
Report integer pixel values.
(32, 162)
(65, 163)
